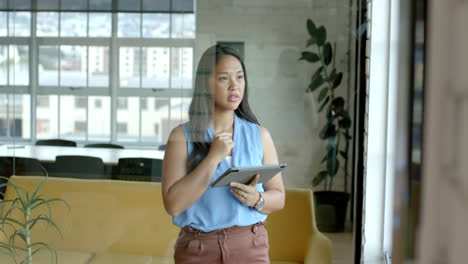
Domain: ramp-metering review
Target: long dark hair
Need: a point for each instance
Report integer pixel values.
(202, 106)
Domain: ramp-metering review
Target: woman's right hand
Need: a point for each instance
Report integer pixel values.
(221, 146)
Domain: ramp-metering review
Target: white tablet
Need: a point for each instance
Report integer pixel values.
(244, 175)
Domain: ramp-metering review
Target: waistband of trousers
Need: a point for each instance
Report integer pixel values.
(234, 229)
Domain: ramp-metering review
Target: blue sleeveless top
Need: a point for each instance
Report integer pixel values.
(218, 208)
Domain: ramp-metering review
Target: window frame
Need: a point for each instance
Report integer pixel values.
(114, 91)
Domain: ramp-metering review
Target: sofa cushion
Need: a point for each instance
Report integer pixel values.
(43, 257)
(123, 258)
(105, 216)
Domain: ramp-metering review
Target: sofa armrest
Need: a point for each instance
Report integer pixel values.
(319, 250)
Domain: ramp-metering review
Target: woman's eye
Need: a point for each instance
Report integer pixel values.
(223, 78)
(240, 77)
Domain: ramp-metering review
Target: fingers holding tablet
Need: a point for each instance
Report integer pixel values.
(246, 194)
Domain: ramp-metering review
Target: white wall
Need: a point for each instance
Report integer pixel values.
(274, 33)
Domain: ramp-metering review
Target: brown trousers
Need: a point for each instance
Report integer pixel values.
(232, 245)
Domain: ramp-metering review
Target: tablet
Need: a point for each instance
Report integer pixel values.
(244, 175)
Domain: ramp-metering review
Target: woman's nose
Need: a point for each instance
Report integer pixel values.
(234, 83)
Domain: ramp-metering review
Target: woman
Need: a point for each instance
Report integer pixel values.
(220, 224)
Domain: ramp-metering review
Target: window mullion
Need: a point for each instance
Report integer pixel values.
(114, 77)
(140, 87)
(59, 84)
(87, 73)
(59, 100)
(87, 119)
(87, 96)
(33, 78)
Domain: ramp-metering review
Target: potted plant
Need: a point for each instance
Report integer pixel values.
(19, 228)
(331, 205)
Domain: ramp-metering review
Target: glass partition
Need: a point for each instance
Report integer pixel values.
(111, 79)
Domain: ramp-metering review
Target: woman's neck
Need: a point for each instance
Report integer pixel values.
(222, 121)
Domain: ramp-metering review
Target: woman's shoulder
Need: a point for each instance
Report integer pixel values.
(177, 133)
(265, 134)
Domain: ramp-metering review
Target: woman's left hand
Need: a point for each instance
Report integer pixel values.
(247, 194)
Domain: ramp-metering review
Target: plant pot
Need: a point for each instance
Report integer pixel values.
(330, 210)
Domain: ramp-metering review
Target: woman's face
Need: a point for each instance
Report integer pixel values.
(227, 83)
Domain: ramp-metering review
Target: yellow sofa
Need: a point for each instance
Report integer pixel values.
(123, 222)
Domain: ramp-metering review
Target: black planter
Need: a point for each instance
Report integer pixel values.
(330, 210)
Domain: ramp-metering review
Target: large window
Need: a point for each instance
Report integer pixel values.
(109, 70)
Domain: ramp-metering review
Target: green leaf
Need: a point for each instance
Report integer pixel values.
(21, 197)
(343, 154)
(53, 252)
(324, 104)
(33, 222)
(338, 104)
(22, 234)
(319, 178)
(317, 80)
(13, 207)
(38, 188)
(337, 80)
(311, 42)
(311, 27)
(327, 53)
(333, 170)
(12, 220)
(317, 73)
(344, 123)
(50, 223)
(324, 159)
(47, 202)
(332, 76)
(331, 115)
(316, 83)
(11, 255)
(328, 131)
(309, 56)
(331, 159)
(323, 93)
(5, 249)
(321, 35)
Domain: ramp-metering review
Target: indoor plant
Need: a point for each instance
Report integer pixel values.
(26, 204)
(331, 205)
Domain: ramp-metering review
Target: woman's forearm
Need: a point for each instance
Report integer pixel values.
(274, 201)
(191, 187)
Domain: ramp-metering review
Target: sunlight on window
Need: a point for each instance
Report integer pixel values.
(181, 68)
(47, 24)
(73, 117)
(100, 24)
(155, 69)
(19, 65)
(48, 67)
(98, 66)
(46, 116)
(129, 25)
(73, 24)
(19, 24)
(73, 66)
(99, 128)
(128, 121)
(14, 115)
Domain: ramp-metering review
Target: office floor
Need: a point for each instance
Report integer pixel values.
(342, 247)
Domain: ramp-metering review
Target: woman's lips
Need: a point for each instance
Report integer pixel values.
(233, 98)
